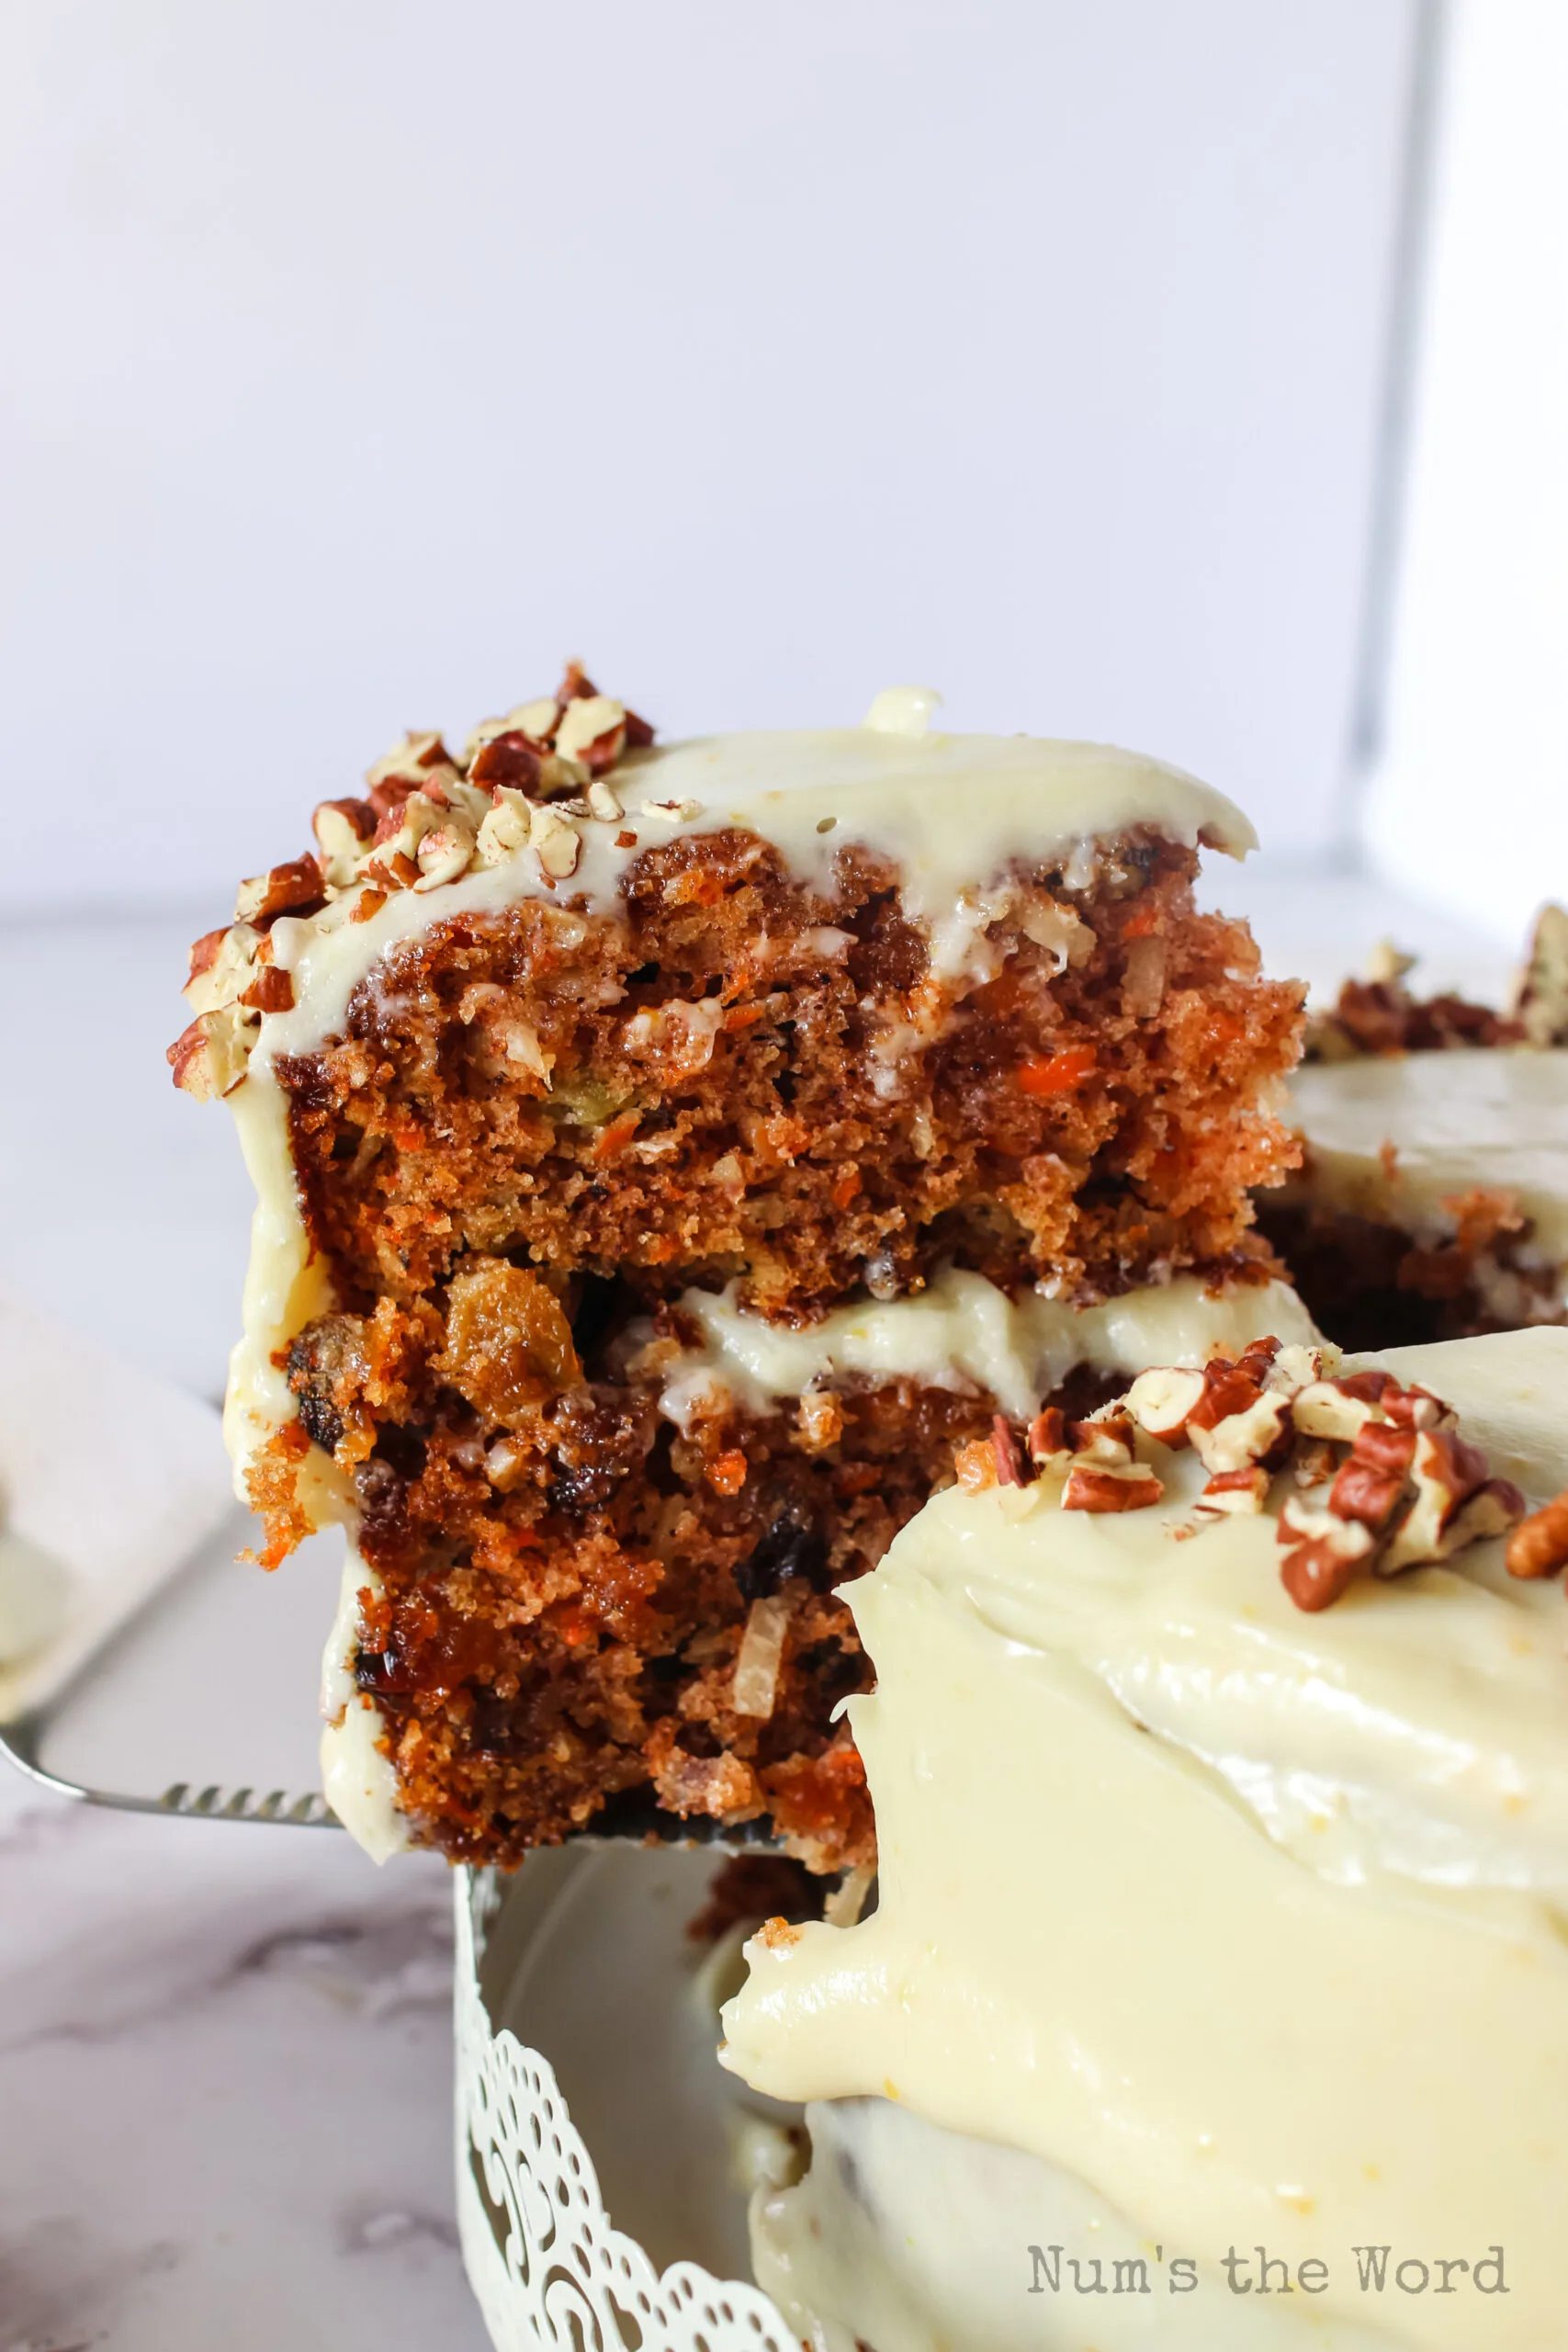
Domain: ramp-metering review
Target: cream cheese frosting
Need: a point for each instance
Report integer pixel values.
(358, 1780)
(916, 2239)
(962, 1331)
(953, 810)
(1400, 1137)
(1250, 1921)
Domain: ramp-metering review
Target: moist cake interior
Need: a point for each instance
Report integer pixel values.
(540, 1128)
(1378, 1260)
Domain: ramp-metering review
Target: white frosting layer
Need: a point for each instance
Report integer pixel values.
(1253, 1920)
(953, 810)
(357, 1781)
(1476, 1118)
(963, 1332)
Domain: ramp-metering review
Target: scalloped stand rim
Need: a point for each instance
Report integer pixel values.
(546, 2264)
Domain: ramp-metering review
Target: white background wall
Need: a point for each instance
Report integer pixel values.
(1470, 806)
(364, 357)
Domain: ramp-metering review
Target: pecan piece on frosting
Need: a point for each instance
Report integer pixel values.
(209, 1057)
(293, 888)
(1106, 1486)
(272, 991)
(1455, 1503)
(1235, 1493)
(1005, 1451)
(1050, 1447)
(1317, 1572)
(1339, 1408)
(343, 828)
(1539, 1544)
(1162, 1401)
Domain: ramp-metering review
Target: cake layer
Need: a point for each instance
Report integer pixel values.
(1434, 1192)
(844, 1427)
(1184, 1881)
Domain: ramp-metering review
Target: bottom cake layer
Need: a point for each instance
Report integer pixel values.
(638, 1609)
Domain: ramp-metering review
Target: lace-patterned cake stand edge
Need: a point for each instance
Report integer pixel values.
(546, 2264)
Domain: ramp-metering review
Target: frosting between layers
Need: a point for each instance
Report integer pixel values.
(1252, 1920)
(963, 1332)
(1473, 1119)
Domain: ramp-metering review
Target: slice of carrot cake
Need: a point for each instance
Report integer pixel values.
(664, 1159)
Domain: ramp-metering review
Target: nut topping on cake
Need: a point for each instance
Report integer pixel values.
(1539, 1546)
(425, 820)
(1370, 1474)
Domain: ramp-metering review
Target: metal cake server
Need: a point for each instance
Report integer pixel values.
(220, 1663)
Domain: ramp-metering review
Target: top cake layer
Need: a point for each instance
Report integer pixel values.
(440, 838)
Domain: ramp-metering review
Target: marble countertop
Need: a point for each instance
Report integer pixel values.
(225, 2051)
(225, 2059)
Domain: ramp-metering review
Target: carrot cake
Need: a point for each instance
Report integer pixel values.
(665, 1157)
(1432, 1199)
(1217, 1994)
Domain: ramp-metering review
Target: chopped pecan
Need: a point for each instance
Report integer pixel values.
(209, 1057)
(1446, 1471)
(1106, 1486)
(1541, 1001)
(1339, 1408)
(1371, 1496)
(508, 759)
(1161, 1401)
(220, 965)
(1415, 1408)
(555, 842)
(1106, 1436)
(1248, 1434)
(1539, 1544)
(272, 991)
(341, 828)
(293, 888)
(443, 854)
(1004, 1448)
(593, 731)
(406, 768)
(506, 829)
(1383, 1445)
(1232, 1492)
(204, 951)
(1047, 1441)
(1316, 1573)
